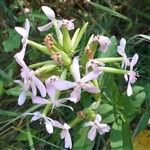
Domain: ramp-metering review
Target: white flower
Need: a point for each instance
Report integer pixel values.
(132, 75)
(80, 83)
(49, 123)
(24, 32)
(64, 133)
(103, 41)
(121, 51)
(94, 65)
(51, 15)
(96, 126)
(29, 81)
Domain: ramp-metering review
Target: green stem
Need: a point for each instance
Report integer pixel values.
(113, 70)
(47, 108)
(75, 122)
(110, 59)
(30, 138)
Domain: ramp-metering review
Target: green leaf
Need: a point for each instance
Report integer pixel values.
(110, 11)
(147, 37)
(82, 31)
(1, 88)
(81, 140)
(8, 113)
(109, 119)
(142, 124)
(12, 42)
(14, 91)
(120, 137)
(105, 108)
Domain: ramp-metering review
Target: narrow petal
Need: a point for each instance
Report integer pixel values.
(58, 124)
(64, 85)
(45, 27)
(98, 118)
(126, 77)
(37, 115)
(39, 85)
(92, 133)
(129, 90)
(19, 82)
(103, 128)
(48, 126)
(90, 88)
(91, 75)
(134, 61)
(22, 98)
(48, 12)
(75, 69)
(27, 25)
(76, 94)
(34, 90)
(90, 123)
(39, 100)
(121, 47)
(21, 31)
(19, 59)
(68, 141)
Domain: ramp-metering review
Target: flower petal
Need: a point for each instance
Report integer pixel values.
(37, 115)
(90, 88)
(121, 47)
(64, 85)
(22, 98)
(129, 89)
(91, 75)
(76, 94)
(92, 133)
(45, 27)
(98, 118)
(75, 69)
(134, 61)
(103, 128)
(68, 141)
(27, 25)
(19, 59)
(39, 85)
(90, 123)
(39, 100)
(48, 126)
(48, 12)
(34, 90)
(23, 32)
(58, 124)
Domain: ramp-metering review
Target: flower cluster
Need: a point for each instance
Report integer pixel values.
(82, 73)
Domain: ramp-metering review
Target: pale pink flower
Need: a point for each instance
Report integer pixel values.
(79, 82)
(132, 75)
(64, 133)
(51, 15)
(67, 23)
(121, 51)
(103, 41)
(94, 65)
(49, 123)
(29, 81)
(52, 92)
(24, 32)
(96, 126)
